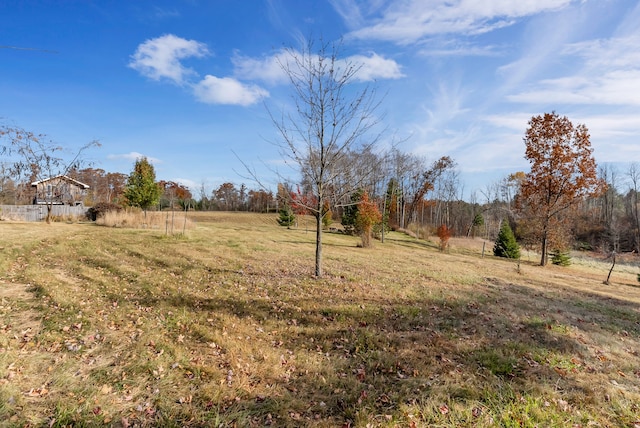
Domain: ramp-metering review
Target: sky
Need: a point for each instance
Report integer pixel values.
(190, 83)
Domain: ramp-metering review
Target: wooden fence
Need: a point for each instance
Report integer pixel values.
(39, 212)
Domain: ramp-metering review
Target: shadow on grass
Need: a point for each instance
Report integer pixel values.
(464, 350)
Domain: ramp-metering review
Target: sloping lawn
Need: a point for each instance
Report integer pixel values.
(226, 326)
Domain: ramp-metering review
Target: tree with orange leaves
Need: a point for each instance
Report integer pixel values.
(368, 215)
(563, 172)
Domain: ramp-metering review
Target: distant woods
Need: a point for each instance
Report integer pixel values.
(414, 194)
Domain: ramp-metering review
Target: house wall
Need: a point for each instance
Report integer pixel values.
(58, 191)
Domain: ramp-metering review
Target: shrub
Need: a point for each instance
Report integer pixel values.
(444, 233)
(367, 216)
(99, 210)
(506, 245)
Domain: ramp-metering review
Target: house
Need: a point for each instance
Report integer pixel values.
(59, 190)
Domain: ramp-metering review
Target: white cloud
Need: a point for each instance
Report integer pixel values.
(190, 184)
(133, 156)
(270, 69)
(227, 90)
(160, 57)
(412, 20)
(375, 67)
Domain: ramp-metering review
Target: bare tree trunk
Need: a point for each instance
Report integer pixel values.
(543, 258)
(634, 175)
(318, 245)
(613, 255)
(49, 209)
(384, 213)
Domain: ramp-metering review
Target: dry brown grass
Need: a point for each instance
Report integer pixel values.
(227, 326)
(171, 222)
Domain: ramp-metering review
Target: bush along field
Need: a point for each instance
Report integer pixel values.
(225, 325)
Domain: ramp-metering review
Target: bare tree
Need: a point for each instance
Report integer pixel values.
(634, 177)
(39, 158)
(424, 181)
(332, 119)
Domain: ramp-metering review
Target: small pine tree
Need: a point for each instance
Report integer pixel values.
(287, 217)
(350, 214)
(478, 222)
(560, 258)
(506, 245)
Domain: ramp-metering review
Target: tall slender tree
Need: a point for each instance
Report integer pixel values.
(142, 190)
(563, 172)
(332, 118)
(634, 177)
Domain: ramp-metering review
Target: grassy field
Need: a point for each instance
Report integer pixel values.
(226, 326)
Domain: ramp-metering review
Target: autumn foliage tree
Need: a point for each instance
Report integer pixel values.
(444, 233)
(368, 215)
(563, 172)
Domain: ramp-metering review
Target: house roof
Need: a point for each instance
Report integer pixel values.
(64, 177)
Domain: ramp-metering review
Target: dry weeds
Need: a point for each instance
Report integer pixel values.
(227, 327)
(171, 222)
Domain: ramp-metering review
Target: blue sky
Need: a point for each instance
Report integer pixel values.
(186, 83)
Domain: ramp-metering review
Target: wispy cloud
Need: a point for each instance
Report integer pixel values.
(133, 156)
(227, 90)
(413, 20)
(350, 12)
(608, 73)
(451, 48)
(162, 13)
(271, 69)
(266, 69)
(160, 58)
